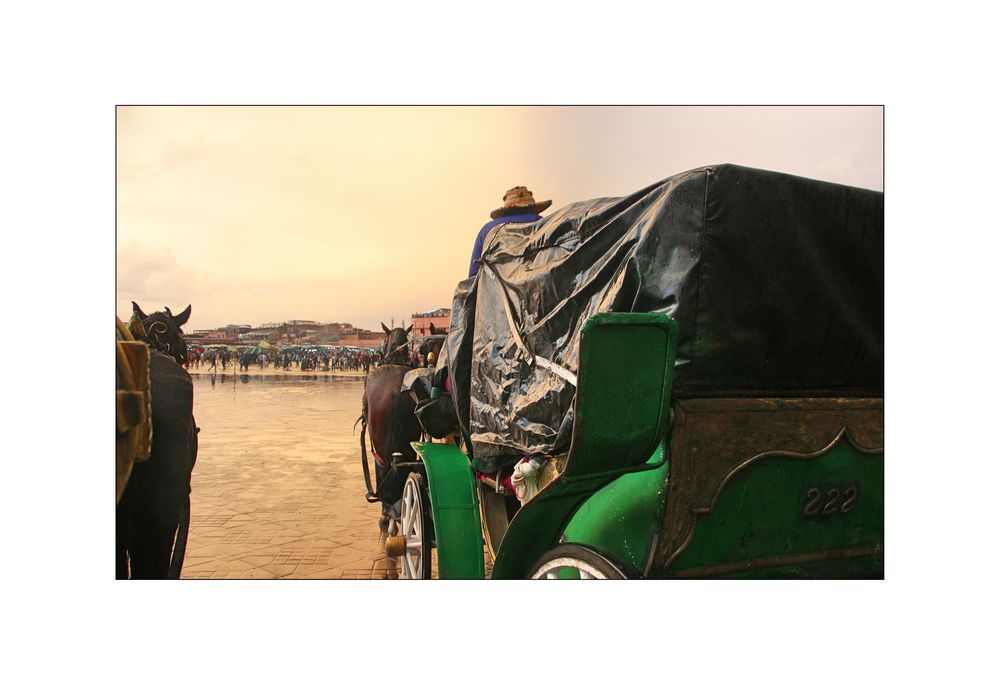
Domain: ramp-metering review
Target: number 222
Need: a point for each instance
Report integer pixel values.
(835, 501)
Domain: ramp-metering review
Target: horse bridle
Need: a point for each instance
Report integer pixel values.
(154, 329)
(389, 355)
(408, 342)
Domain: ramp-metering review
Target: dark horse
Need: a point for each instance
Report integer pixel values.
(387, 414)
(432, 346)
(155, 508)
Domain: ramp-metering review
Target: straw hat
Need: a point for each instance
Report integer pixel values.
(519, 200)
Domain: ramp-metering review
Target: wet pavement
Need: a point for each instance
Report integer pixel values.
(277, 491)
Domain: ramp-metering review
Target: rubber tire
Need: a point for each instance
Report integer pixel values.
(608, 568)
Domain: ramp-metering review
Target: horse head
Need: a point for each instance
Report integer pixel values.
(163, 331)
(394, 345)
(432, 346)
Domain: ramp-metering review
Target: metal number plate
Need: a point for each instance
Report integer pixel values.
(828, 500)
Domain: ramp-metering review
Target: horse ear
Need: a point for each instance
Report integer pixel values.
(136, 310)
(434, 331)
(408, 329)
(181, 318)
(387, 331)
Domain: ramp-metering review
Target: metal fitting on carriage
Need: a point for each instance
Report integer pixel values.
(395, 546)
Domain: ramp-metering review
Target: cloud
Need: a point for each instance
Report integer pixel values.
(152, 278)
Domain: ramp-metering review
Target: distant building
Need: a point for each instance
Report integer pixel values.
(441, 318)
(236, 331)
(328, 333)
(297, 331)
(266, 332)
(215, 336)
(361, 338)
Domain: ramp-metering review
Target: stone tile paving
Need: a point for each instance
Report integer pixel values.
(277, 491)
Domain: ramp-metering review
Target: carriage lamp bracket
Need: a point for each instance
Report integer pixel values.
(396, 464)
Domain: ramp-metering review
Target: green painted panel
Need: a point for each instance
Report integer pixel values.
(783, 507)
(455, 510)
(860, 568)
(622, 517)
(623, 399)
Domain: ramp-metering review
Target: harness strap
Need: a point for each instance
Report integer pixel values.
(389, 357)
(370, 495)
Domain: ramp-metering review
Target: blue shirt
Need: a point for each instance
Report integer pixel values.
(477, 249)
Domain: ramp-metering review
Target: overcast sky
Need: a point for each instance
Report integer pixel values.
(366, 214)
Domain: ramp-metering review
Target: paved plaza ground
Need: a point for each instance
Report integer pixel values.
(277, 491)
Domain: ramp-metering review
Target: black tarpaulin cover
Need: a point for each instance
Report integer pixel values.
(775, 281)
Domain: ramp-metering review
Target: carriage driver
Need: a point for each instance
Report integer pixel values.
(519, 207)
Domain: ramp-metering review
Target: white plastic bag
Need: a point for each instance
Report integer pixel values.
(525, 478)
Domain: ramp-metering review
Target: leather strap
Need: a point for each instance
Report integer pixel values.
(370, 495)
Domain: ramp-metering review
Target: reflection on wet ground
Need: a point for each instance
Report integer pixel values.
(277, 491)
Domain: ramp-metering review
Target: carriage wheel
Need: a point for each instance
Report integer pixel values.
(575, 562)
(414, 526)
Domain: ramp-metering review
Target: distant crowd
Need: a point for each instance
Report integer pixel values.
(303, 360)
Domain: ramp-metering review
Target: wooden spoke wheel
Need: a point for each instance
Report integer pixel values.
(414, 526)
(575, 562)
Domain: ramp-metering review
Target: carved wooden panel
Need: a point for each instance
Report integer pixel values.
(714, 439)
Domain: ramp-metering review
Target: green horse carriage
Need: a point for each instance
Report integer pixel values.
(697, 369)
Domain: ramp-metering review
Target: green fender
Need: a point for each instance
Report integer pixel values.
(622, 518)
(538, 525)
(455, 511)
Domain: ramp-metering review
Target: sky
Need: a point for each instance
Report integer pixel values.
(368, 214)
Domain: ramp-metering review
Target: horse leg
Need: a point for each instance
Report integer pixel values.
(180, 546)
(121, 542)
(143, 535)
(149, 551)
(389, 481)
